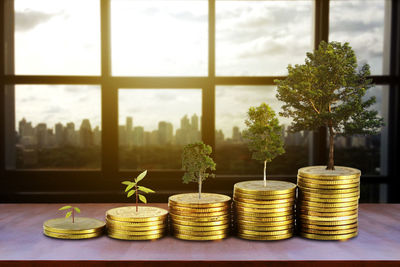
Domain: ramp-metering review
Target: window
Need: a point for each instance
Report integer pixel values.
(95, 91)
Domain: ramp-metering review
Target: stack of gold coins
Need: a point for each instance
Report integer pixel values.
(327, 206)
(264, 211)
(81, 228)
(145, 223)
(205, 218)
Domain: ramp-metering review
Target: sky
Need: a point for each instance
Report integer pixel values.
(169, 38)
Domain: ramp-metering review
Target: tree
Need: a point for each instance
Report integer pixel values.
(329, 91)
(132, 187)
(71, 212)
(195, 162)
(263, 135)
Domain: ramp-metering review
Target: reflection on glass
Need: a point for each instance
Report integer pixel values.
(155, 124)
(160, 38)
(57, 126)
(232, 154)
(363, 25)
(367, 152)
(260, 38)
(57, 37)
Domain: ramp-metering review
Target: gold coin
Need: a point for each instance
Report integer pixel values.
(328, 237)
(205, 224)
(135, 228)
(328, 191)
(327, 210)
(200, 218)
(135, 237)
(279, 232)
(137, 224)
(81, 225)
(204, 233)
(328, 219)
(329, 200)
(335, 196)
(328, 228)
(124, 232)
(257, 187)
(264, 206)
(192, 200)
(264, 228)
(277, 203)
(144, 214)
(71, 236)
(328, 214)
(265, 224)
(199, 215)
(320, 186)
(198, 210)
(333, 232)
(200, 238)
(303, 203)
(327, 182)
(201, 228)
(327, 223)
(246, 209)
(264, 215)
(265, 237)
(264, 219)
(320, 172)
(263, 197)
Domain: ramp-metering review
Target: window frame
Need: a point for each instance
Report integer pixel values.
(103, 185)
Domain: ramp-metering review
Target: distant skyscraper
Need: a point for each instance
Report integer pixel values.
(185, 124)
(59, 134)
(129, 131)
(236, 135)
(129, 124)
(25, 128)
(41, 135)
(69, 134)
(195, 122)
(97, 136)
(165, 132)
(85, 133)
(138, 136)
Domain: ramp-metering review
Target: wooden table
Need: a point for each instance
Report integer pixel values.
(22, 243)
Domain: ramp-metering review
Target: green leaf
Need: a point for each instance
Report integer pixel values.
(130, 193)
(69, 213)
(65, 208)
(77, 209)
(129, 187)
(126, 182)
(141, 176)
(142, 198)
(145, 189)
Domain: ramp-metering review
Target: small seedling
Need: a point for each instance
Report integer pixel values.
(196, 161)
(134, 188)
(71, 212)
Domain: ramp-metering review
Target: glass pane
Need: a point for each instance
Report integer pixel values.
(155, 124)
(56, 126)
(59, 37)
(260, 38)
(160, 38)
(368, 153)
(232, 154)
(365, 25)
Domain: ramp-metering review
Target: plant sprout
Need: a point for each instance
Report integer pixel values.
(132, 187)
(71, 212)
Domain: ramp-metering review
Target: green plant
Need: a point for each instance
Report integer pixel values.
(71, 212)
(195, 162)
(132, 187)
(263, 135)
(328, 91)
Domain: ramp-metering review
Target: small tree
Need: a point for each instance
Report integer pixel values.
(71, 212)
(263, 135)
(328, 91)
(132, 187)
(195, 162)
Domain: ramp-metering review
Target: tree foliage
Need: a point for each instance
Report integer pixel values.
(71, 212)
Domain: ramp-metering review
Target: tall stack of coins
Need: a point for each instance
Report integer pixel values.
(328, 202)
(264, 212)
(81, 228)
(147, 223)
(207, 218)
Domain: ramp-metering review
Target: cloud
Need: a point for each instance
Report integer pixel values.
(189, 16)
(29, 19)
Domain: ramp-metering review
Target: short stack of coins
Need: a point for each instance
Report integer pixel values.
(144, 223)
(327, 207)
(264, 211)
(80, 228)
(205, 218)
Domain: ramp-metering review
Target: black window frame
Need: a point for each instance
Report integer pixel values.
(103, 185)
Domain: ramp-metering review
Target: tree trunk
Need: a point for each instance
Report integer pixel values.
(265, 173)
(137, 208)
(331, 165)
(73, 215)
(199, 186)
